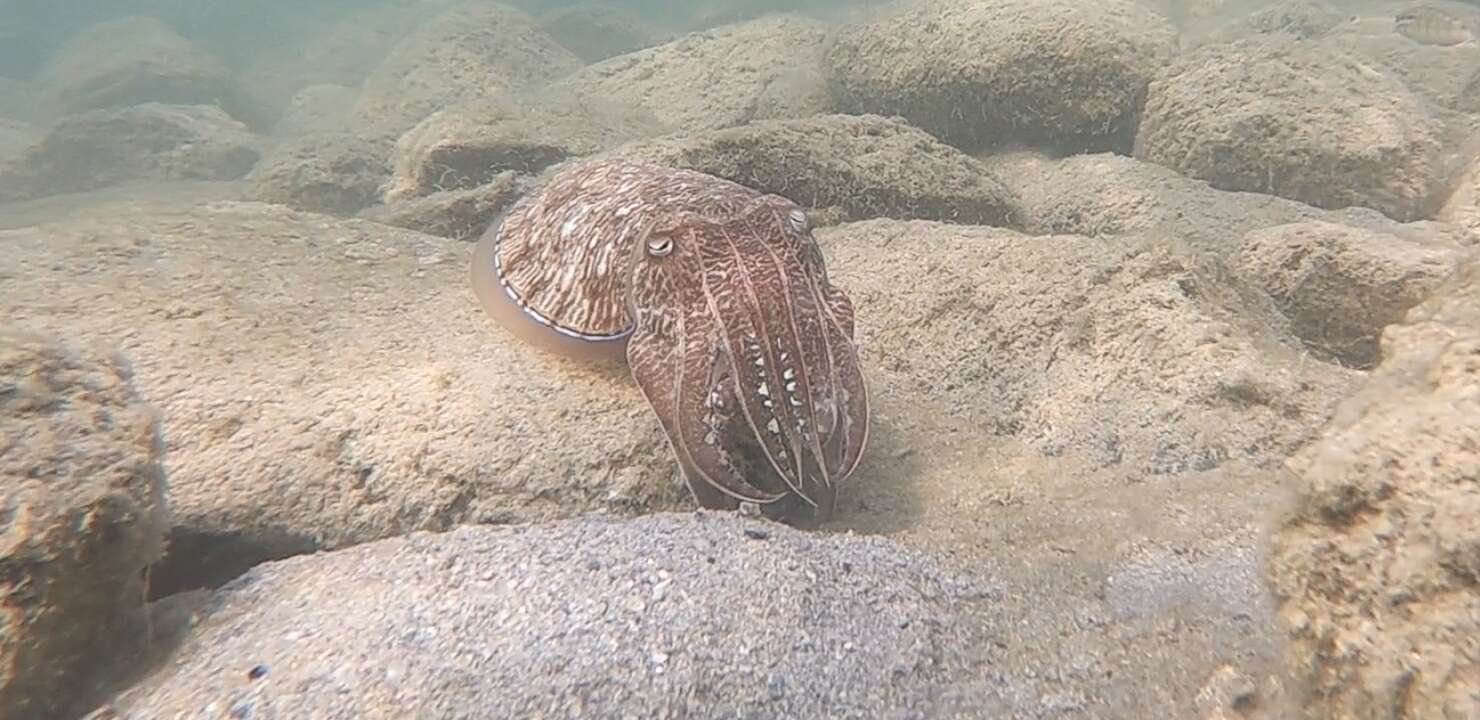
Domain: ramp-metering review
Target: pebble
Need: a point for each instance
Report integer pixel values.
(755, 533)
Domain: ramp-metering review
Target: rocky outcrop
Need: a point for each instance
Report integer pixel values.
(316, 110)
(637, 617)
(1304, 122)
(854, 167)
(1106, 194)
(983, 74)
(1339, 285)
(472, 51)
(329, 382)
(468, 145)
(1462, 206)
(344, 51)
(595, 32)
(1127, 350)
(455, 214)
(82, 515)
(764, 69)
(150, 142)
(1378, 563)
(336, 173)
(128, 61)
(1436, 73)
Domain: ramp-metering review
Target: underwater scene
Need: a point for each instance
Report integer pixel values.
(739, 359)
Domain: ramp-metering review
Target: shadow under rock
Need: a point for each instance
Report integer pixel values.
(195, 560)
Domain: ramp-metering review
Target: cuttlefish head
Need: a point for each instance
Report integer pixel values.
(745, 352)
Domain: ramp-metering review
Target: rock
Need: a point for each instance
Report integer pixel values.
(1303, 122)
(709, 14)
(1435, 73)
(1105, 194)
(129, 61)
(343, 52)
(336, 173)
(456, 214)
(1298, 20)
(864, 166)
(149, 142)
(1377, 563)
(1302, 19)
(468, 145)
(636, 618)
(1469, 100)
(595, 32)
(1462, 207)
(316, 110)
(238, 33)
(470, 52)
(764, 69)
(327, 382)
(1125, 349)
(1187, 14)
(1340, 286)
(82, 514)
(983, 74)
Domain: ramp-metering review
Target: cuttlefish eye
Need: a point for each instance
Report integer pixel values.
(798, 220)
(659, 246)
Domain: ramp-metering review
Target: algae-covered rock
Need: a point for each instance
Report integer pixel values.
(1377, 566)
(981, 74)
(1301, 121)
(82, 514)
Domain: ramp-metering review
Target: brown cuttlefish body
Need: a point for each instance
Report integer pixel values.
(716, 297)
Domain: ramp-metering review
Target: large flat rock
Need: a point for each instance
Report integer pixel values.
(1126, 348)
(979, 74)
(664, 616)
(327, 382)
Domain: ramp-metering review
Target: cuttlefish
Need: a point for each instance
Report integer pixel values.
(716, 297)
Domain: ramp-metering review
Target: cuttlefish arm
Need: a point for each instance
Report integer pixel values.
(849, 435)
(849, 397)
(790, 338)
(735, 328)
(673, 356)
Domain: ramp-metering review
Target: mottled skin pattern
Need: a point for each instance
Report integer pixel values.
(717, 298)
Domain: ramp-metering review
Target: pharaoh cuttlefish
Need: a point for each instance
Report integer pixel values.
(717, 298)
